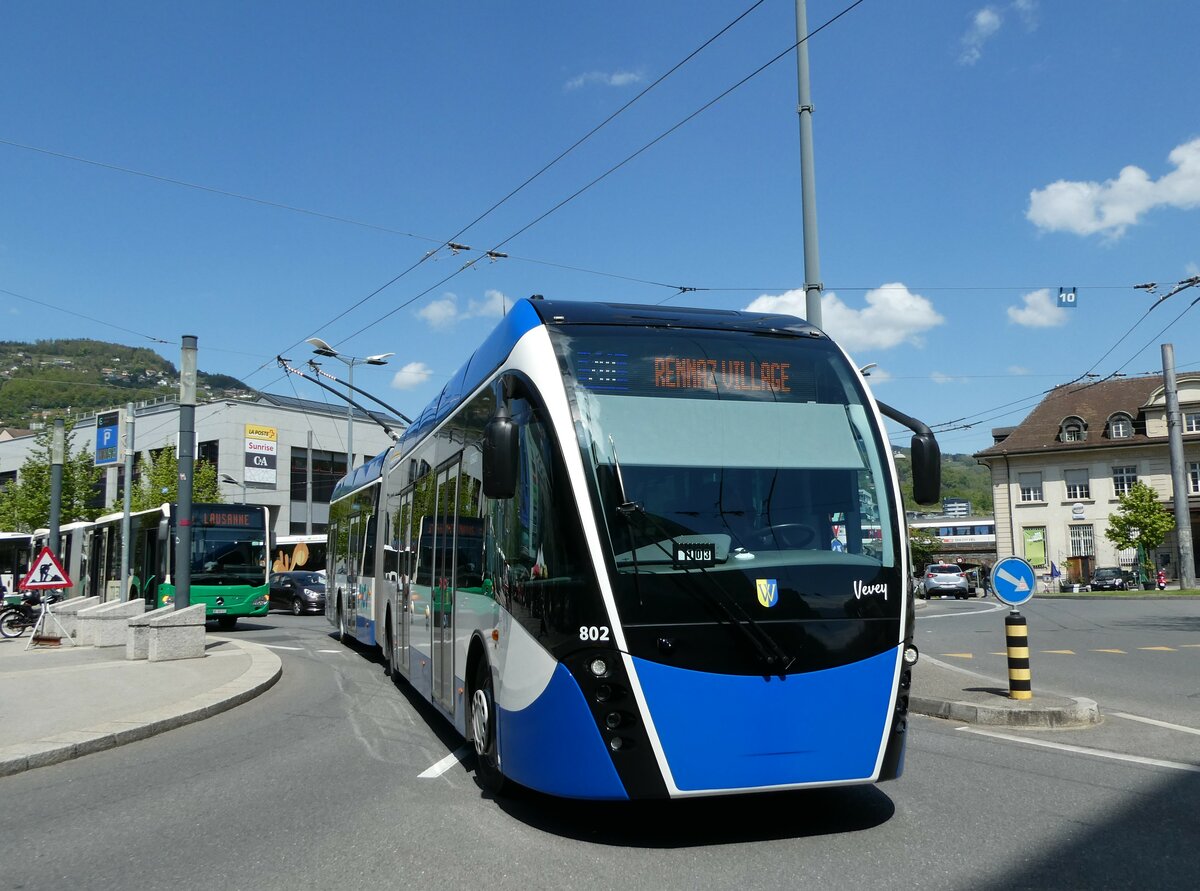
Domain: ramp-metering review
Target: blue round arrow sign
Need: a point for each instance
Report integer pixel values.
(1013, 580)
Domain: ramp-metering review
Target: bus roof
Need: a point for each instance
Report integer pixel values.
(532, 313)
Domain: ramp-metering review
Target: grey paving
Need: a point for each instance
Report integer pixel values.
(66, 702)
(58, 703)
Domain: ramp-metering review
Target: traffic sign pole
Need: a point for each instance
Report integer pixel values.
(1016, 635)
(1013, 582)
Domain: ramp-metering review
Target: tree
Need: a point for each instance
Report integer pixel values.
(160, 482)
(1140, 522)
(924, 546)
(25, 505)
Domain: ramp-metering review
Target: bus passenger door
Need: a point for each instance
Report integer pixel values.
(443, 585)
(403, 569)
(350, 595)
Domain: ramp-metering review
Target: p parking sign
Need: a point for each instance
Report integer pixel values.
(108, 438)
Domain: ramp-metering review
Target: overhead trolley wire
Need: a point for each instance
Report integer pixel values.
(609, 172)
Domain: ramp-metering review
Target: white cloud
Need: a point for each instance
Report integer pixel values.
(939, 378)
(604, 78)
(1018, 370)
(1027, 10)
(893, 315)
(984, 25)
(444, 312)
(1086, 208)
(411, 375)
(878, 376)
(440, 313)
(494, 304)
(1192, 269)
(1040, 311)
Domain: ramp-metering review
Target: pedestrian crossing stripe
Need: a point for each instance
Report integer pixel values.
(1159, 649)
(1060, 652)
(1121, 652)
(959, 655)
(1191, 645)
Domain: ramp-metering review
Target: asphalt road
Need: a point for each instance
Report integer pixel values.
(318, 784)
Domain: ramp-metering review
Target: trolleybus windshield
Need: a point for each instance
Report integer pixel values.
(747, 454)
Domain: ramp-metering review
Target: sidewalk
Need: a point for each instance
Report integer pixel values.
(58, 703)
(948, 691)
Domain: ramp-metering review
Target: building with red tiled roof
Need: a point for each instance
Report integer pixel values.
(1058, 475)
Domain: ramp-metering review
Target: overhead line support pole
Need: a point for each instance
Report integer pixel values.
(808, 185)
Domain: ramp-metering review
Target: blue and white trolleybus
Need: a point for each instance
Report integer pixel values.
(637, 552)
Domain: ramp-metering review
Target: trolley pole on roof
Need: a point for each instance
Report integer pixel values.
(187, 449)
(808, 185)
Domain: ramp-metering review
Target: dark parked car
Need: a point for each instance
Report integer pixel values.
(300, 591)
(1110, 578)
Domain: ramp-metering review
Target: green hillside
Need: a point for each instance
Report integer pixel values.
(962, 477)
(44, 379)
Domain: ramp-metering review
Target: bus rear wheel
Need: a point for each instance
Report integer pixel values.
(483, 730)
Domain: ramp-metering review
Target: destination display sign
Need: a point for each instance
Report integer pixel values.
(702, 367)
(726, 375)
(226, 516)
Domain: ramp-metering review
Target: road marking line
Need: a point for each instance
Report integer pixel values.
(959, 655)
(328, 651)
(1191, 645)
(445, 764)
(1156, 723)
(1159, 649)
(1061, 652)
(278, 647)
(975, 612)
(1081, 750)
(1120, 652)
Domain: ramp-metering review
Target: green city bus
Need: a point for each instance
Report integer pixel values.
(229, 559)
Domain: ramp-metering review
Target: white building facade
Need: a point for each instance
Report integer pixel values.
(270, 450)
(1059, 474)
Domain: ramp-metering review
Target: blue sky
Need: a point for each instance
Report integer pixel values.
(253, 173)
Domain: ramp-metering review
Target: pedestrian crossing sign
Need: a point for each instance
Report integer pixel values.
(45, 574)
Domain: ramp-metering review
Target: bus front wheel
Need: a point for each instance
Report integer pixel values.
(226, 623)
(483, 730)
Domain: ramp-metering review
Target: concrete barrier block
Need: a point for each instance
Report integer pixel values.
(67, 613)
(105, 625)
(137, 637)
(177, 635)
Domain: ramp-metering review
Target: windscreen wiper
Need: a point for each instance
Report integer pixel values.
(768, 649)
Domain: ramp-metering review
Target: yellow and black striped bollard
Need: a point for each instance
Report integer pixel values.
(1016, 634)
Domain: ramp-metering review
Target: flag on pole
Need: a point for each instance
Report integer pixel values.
(1054, 573)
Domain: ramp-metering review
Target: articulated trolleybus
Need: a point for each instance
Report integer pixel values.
(638, 552)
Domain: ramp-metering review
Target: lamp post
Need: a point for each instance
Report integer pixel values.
(321, 348)
(229, 480)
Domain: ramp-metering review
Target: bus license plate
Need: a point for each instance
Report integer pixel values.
(691, 554)
(215, 611)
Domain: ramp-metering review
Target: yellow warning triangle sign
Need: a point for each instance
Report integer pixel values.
(45, 574)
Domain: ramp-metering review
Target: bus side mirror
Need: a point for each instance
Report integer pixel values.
(926, 469)
(500, 456)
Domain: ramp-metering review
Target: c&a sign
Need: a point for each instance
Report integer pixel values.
(262, 447)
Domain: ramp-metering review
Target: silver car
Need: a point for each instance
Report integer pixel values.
(945, 578)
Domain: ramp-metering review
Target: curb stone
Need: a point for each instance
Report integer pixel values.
(265, 669)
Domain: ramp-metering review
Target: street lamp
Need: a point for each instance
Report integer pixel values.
(321, 348)
(226, 478)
